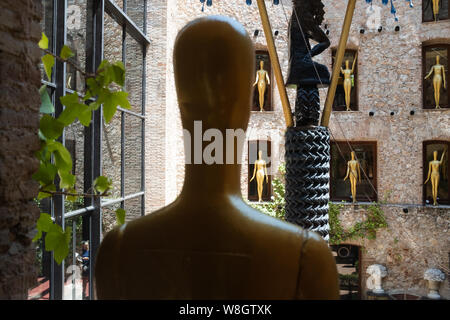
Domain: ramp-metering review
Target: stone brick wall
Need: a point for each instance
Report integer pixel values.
(19, 122)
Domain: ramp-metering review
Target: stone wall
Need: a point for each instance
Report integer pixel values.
(19, 122)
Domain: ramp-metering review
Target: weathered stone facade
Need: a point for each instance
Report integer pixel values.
(19, 122)
(389, 80)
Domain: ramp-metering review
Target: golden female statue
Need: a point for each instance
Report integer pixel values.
(260, 170)
(433, 173)
(353, 170)
(347, 72)
(439, 75)
(436, 9)
(262, 79)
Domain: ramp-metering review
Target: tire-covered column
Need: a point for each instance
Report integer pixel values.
(307, 177)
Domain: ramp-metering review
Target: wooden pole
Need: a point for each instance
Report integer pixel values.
(275, 62)
(338, 63)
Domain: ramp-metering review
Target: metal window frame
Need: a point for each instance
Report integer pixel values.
(92, 212)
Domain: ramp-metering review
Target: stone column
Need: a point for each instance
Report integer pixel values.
(19, 122)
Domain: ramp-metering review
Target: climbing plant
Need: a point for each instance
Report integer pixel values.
(54, 175)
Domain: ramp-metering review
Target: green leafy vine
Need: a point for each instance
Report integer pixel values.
(55, 162)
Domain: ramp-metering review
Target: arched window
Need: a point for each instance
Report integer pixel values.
(339, 99)
(263, 55)
(253, 149)
(427, 10)
(429, 147)
(429, 54)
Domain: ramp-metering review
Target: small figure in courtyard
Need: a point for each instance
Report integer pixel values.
(262, 79)
(439, 75)
(348, 73)
(433, 173)
(354, 172)
(85, 267)
(261, 171)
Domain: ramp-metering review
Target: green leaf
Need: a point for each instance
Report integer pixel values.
(118, 73)
(111, 102)
(43, 225)
(46, 173)
(58, 241)
(50, 127)
(122, 99)
(120, 216)
(102, 184)
(67, 180)
(71, 198)
(63, 160)
(66, 53)
(43, 195)
(74, 110)
(46, 103)
(43, 43)
(48, 62)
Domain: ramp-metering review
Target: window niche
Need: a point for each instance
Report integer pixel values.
(339, 99)
(427, 10)
(429, 54)
(263, 55)
(367, 157)
(443, 195)
(253, 150)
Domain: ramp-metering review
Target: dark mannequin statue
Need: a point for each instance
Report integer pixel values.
(304, 74)
(209, 244)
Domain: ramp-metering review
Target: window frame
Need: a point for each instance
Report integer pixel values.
(254, 197)
(255, 96)
(425, 170)
(432, 20)
(356, 79)
(425, 71)
(374, 146)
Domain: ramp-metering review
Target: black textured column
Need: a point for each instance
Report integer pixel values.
(307, 106)
(307, 177)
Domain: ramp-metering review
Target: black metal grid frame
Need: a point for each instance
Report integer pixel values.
(91, 213)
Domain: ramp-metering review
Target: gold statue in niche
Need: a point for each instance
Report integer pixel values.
(433, 173)
(347, 72)
(354, 172)
(439, 75)
(260, 170)
(436, 9)
(262, 79)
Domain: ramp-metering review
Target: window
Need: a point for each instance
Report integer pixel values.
(429, 54)
(94, 30)
(339, 103)
(262, 55)
(427, 10)
(366, 155)
(443, 195)
(253, 151)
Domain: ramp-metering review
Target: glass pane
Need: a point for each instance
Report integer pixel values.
(340, 189)
(109, 220)
(119, 3)
(267, 104)
(76, 21)
(135, 10)
(133, 76)
(253, 155)
(443, 193)
(427, 7)
(112, 40)
(47, 28)
(435, 80)
(133, 154)
(76, 264)
(74, 143)
(41, 288)
(339, 100)
(111, 151)
(133, 208)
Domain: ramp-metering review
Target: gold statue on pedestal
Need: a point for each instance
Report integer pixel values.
(354, 172)
(261, 171)
(433, 173)
(347, 72)
(439, 75)
(208, 243)
(436, 9)
(262, 79)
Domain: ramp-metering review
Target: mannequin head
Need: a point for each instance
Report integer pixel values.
(346, 64)
(261, 64)
(438, 58)
(435, 153)
(353, 155)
